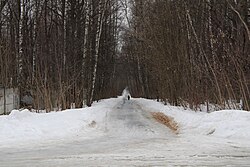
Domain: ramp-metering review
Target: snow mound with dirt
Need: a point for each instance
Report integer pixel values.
(230, 124)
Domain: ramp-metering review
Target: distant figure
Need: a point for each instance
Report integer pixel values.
(126, 95)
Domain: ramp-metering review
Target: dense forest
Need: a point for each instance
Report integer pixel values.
(191, 52)
(185, 52)
(59, 51)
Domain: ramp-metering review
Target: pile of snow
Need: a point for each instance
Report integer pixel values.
(230, 124)
(24, 126)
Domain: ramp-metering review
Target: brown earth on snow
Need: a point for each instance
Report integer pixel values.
(166, 120)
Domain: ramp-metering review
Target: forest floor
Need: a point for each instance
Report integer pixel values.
(137, 132)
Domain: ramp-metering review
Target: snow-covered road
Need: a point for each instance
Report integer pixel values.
(128, 136)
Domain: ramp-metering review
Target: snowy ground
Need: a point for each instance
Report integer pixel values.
(115, 132)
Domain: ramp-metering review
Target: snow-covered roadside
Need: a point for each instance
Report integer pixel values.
(22, 127)
(117, 133)
(26, 127)
(227, 124)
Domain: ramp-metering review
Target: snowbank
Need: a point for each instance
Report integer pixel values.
(230, 124)
(24, 126)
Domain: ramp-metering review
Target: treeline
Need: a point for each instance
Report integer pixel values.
(59, 51)
(190, 51)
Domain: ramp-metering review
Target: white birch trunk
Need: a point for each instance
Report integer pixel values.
(86, 32)
(211, 32)
(97, 46)
(19, 43)
(85, 48)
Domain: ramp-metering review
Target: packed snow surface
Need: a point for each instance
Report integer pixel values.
(115, 132)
